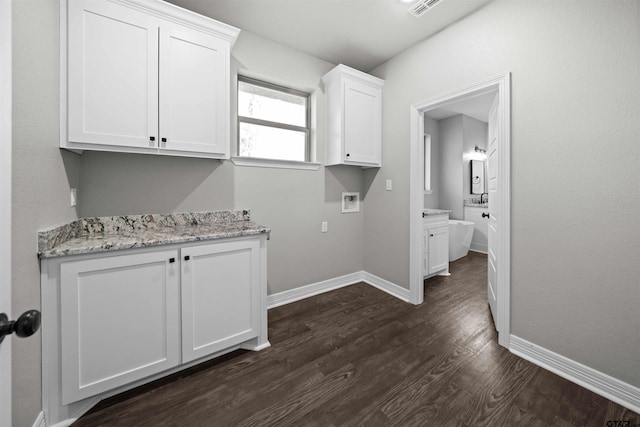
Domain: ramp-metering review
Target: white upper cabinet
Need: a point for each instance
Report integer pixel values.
(144, 77)
(112, 75)
(194, 85)
(354, 117)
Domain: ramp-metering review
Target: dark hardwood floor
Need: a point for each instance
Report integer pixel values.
(357, 356)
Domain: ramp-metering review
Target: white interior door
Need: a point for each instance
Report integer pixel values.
(494, 195)
(5, 206)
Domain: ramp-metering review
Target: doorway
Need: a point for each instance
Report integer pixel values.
(499, 208)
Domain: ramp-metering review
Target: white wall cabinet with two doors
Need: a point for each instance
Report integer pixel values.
(117, 320)
(353, 117)
(435, 245)
(144, 76)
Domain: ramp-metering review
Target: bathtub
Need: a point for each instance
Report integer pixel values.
(460, 235)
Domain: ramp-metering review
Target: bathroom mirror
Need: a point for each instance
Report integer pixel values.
(477, 177)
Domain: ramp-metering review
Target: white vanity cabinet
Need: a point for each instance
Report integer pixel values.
(353, 117)
(115, 320)
(435, 245)
(144, 77)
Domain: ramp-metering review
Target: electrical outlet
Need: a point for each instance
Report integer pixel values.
(325, 226)
(73, 197)
(389, 185)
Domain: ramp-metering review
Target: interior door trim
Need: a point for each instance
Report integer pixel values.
(502, 84)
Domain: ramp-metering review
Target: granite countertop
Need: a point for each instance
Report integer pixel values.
(103, 234)
(429, 212)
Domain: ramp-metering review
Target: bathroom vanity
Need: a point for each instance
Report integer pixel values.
(435, 242)
(127, 300)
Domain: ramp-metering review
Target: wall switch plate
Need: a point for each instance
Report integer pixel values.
(389, 185)
(73, 197)
(325, 226)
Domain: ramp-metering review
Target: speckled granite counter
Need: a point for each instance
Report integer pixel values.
(429, 212)
(102, 234)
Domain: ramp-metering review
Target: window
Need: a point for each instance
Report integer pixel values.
(273, 121)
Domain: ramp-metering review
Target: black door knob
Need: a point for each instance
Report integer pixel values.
(26, 325)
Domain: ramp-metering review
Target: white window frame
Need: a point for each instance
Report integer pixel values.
(276, 163)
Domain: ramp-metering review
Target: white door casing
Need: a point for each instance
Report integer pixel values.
(493, 248)
(5, 207)
(501, 202)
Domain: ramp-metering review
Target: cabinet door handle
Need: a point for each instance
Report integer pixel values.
(172, 260)
(187, 257)
(430, 235)
(348, 154)
(164, 139)
(152, 138)
(485, 215)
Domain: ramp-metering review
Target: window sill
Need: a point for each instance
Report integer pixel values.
(273, 163)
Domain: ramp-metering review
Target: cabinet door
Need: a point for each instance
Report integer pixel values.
(194, 91)
(112, 75)
(220, 296)
(119, 321)
(438, 249)
(362, 123)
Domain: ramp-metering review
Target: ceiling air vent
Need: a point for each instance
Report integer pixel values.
(422, 7)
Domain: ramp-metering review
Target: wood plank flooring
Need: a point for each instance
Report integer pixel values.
(359, 357)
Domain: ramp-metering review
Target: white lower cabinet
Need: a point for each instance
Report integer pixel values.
(220, 298)
(435, 245)
(119, 321)
(438, 249)
(116, 320)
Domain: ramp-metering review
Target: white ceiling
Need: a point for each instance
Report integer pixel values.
(359, 33)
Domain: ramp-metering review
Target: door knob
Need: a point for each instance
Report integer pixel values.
(485, 215)
(26, 325)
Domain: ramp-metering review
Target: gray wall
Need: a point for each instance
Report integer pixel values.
(295, 202)
(575, 96)
(292, 202)
(458, 137)
(42, 176)
(474, 134)
(451, 138)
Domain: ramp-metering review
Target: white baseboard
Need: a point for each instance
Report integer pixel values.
(386, 286)
(483, 249)
(296, 294)
(611, 388)
(40, 421)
